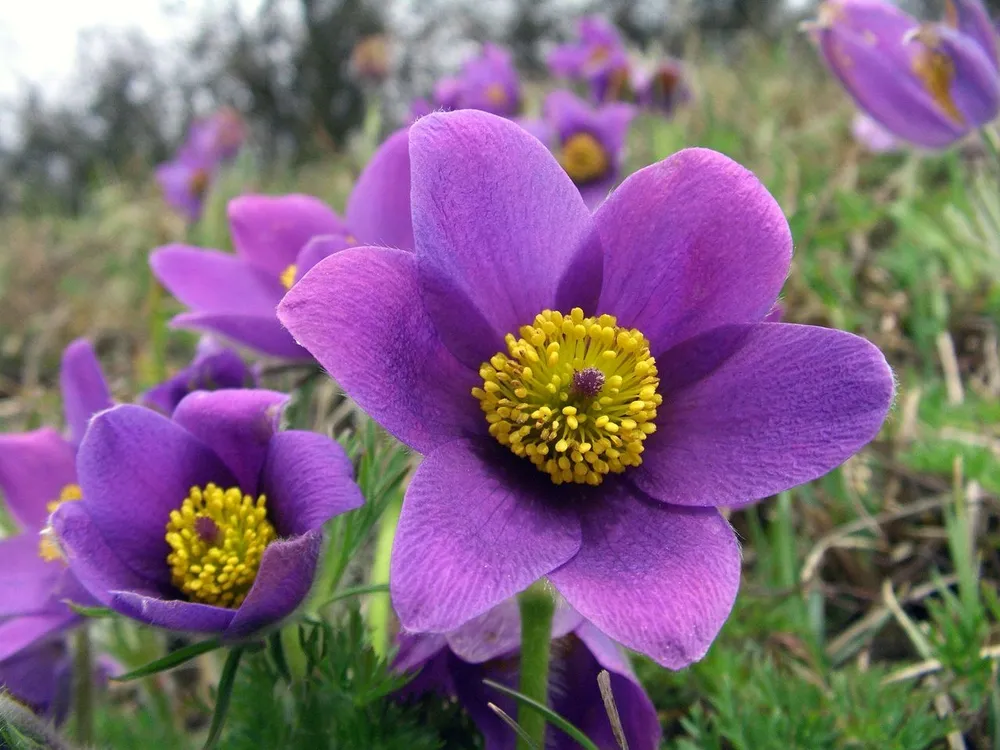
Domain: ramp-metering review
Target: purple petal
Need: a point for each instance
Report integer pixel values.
(216, 282)
(971, 18)
(320, 248)
(95, 566)
(176, 179)
(416, 649)
(83, 387)
(873, 136)
(475, 697)
(498, 631)
(378, 211)
(657, 578)
(976, 86)
(359, 313)
(500, 230)
(34, 468)
(790, 405)
(135, 467)
(31, 676)
(237, 424)
(269, 231)
(691, 243)
(20, 633)
(263, 334)
(172, 614)
(474, 530)
(26, 580)
(286, 574)
(308, 479)
(213, 368)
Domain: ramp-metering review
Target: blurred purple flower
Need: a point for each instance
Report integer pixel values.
(456, 663)
(588, 142)
(662, 87)
(489, 83)
(278, 239)
(167, 503)
(37, 473)
(598, 44)
(214, 367)
(186, 179)
(873, 136)
(929, 84)
(571, 452)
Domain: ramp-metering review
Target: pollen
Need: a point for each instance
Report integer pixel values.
(48, 545)
(584, 158)
(217, 540)
(576, 395)
(496, 94)
(936, 71)
(288, 276)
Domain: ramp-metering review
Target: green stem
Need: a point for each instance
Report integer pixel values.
(537, 608)
(83, 687)
(222, 698)
(380, 607)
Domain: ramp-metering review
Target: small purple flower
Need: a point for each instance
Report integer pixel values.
(490, 83)
(588, 142)
(209, 522)
(599, 45)
(467, 351)
(214, 367)
(929, 84)
(37, 473)
(873, 136)
(278, 239)
(456, 663)
(663, 87)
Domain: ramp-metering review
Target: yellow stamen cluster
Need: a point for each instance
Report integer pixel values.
(288, 276)
(584, 158)
(218, 538)
(48, 547)
(496, 94)
(937, 73)
(576, 395)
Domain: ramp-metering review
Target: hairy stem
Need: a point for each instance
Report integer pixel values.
(83, 687)
(380, 607)
(537, 608)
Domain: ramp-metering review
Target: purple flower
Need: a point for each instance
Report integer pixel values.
(456, 663)
(663, 87)
(929, 84)
(588, 142)
(599, 44)
(209, 522)
(447, 93)
(213, 368)
(489, 83)
(587, 389)
(278, 239)
(873, 136)
(37, 473)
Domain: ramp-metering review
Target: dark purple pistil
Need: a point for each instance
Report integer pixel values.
(588, 382)
(207, 529)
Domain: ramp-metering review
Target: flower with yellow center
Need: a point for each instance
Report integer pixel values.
(496, 94)
(218, 538)
(576, 395)
(936, 72)
(48, 547)
(584, 158)
(288, 276)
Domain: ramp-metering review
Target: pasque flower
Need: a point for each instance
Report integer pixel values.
(277, 239)
(662, 86)
(209, 522)
(38, 473)
(214, 367)
(456, 663)
(929, 84)
(599, 58)
(210, 143)
(488, 82)
(589, 142)
(587, 389)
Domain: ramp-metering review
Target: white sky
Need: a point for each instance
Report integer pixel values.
(38, 38)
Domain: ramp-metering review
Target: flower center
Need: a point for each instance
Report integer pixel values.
(218, 538)
(937, 72)
(48, 546)
(198, 182)
(496, 94)
(576, 395)
(288, 276)
(584, 158)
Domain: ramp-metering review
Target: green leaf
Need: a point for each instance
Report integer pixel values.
(93, 612)
(222, 697)
(171, 660)
(551, 716)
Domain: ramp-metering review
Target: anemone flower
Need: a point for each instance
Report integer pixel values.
(37, 473)
(662, 87)
(589, 142)
(214, 367)
(929, 84)
(277, 239)
(490, 83)
(456, 663)
(587, 389)
(207, 522)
